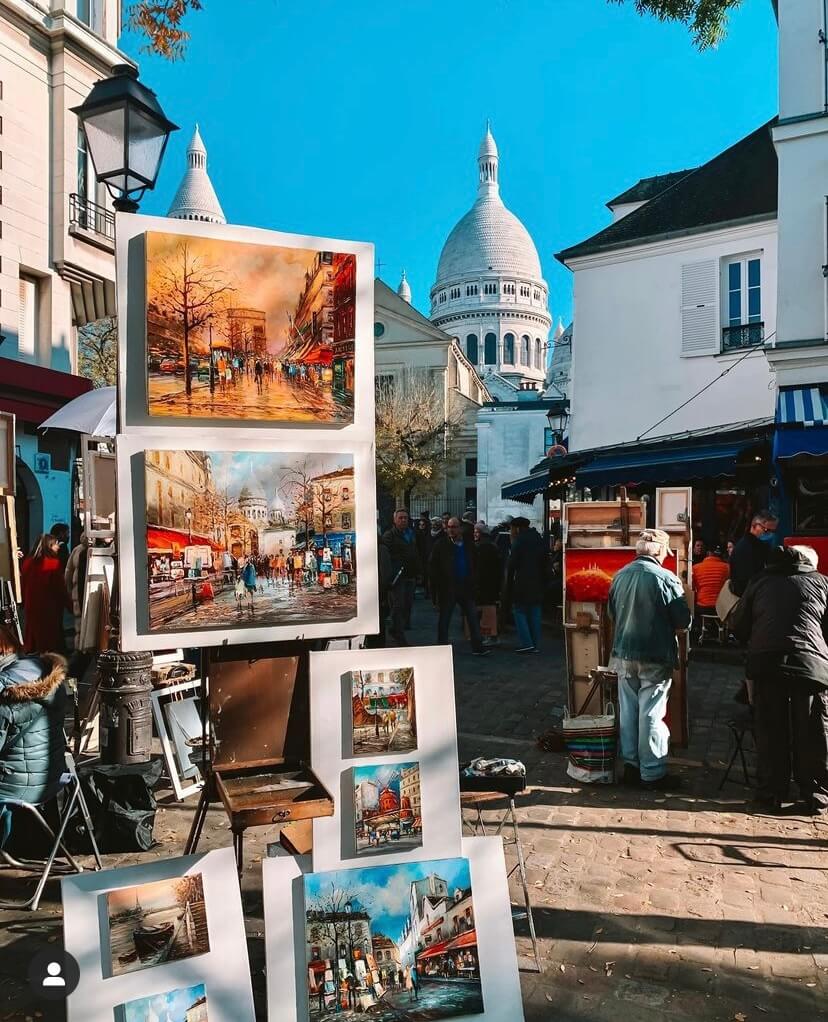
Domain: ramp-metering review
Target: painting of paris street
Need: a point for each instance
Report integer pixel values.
(155, 923)
(249, 539)
(383, 711)
(398, 943)
(388, 813)
(249, 332)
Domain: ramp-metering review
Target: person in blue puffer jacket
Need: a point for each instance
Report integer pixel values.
(32, 711)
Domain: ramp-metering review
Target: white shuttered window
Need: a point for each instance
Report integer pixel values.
(700, 308)
(27, 318)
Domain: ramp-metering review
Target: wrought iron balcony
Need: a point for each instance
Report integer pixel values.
(86, 215)
(746, 335)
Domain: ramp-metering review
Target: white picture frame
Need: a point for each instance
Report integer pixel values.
(185, 780)
(334, 842)
(224, 969)
(284, 913)
(130, 248)
(132, 562)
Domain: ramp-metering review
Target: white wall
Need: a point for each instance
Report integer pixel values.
(801, 58)
(509, 445)
(628, 369)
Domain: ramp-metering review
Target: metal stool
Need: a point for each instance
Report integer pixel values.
(739, 727)
(712, 621)
(69, 785)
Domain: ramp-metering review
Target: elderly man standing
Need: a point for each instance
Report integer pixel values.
(648, 606)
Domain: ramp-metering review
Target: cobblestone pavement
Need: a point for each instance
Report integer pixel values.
(648, 906)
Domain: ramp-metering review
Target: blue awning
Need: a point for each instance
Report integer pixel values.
(805, 406)
(791, 442)
(664, 465)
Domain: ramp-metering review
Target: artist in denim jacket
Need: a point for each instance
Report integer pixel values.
(647, 606)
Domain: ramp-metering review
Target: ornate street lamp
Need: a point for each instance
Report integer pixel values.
(126, 135)
(558, 417)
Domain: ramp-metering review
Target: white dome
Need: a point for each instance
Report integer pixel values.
(404, 289)
(489, 238)
(196, 198)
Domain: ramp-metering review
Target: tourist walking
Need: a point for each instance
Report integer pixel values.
(526, 581)
(44, 597)
(647, 606)
(405, 564)
(783, 618)
(488, 582)
(452, 579)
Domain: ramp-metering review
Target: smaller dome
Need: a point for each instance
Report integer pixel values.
(404, 290)
(488, 146)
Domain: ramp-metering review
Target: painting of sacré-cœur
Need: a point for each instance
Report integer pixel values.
(249, 539)
(240, 331)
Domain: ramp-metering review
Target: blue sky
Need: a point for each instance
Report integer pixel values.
(384, 890)
(362, 120)
(176, 1002)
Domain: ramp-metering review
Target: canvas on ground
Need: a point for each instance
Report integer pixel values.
(151, 924)
(243, 539)
(188, 1004)
(388, 816)
(400, 938)
(384, 716)
(249, 332)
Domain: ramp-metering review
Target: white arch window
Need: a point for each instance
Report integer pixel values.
(490, 349)
(524, 350)
(509, 349)
(472, 353)
(538, 353)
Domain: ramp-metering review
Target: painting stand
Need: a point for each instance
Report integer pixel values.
(257, 727)
(500, 788)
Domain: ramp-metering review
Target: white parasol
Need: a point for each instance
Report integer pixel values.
(93, 413)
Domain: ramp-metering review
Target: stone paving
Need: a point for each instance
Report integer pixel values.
(648, 906)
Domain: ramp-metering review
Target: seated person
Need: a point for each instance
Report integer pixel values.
(32, 710)
(709, 575)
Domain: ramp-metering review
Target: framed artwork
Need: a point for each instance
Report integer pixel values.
(187, 1004)
(176, 710)
(233, 543)
(387, 809)
(150, 935)
(415, 919)
(150, 924)
(231, 326)
(383, 715)
(7, 453)
(369, 936)
(404, 803)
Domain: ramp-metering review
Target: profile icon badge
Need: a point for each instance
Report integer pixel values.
(53, 974)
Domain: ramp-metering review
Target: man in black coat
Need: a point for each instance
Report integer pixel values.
(452, 576)
(405, 567)
(526, 580)
(783, 617)
(750, 555)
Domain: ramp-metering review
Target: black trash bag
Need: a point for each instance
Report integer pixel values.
(122, 806)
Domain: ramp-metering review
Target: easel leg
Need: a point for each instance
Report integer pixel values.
(238, 844)
(198, 822)
(522, 870)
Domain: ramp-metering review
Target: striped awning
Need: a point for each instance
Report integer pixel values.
(804, 406)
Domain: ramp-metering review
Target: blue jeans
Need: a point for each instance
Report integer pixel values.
(528, 623)
(643, 689)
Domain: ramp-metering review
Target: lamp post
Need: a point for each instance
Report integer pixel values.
(349, 908)
(126, 134)
(558, 418)
(188, 517)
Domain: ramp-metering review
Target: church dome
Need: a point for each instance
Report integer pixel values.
(196, 198)
(489, 238)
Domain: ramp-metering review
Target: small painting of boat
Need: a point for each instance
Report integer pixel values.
(150, 940)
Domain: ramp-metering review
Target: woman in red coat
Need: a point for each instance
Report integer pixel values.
(44, 598)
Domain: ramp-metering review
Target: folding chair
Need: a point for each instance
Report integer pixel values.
(69, 787)
(739, 727)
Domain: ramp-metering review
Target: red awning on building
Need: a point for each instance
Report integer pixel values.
(319, 357)
(467, 939)
(434, 950)
(34, 393)
(172, 539)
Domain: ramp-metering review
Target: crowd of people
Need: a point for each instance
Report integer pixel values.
(464, 565)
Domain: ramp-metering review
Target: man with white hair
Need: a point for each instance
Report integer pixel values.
(647, 606)
(783, 617)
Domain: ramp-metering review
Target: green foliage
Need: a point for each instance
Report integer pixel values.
(98, 352)
(706, 19)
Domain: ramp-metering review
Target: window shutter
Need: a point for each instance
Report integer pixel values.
(700, 308)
